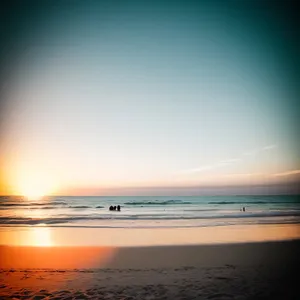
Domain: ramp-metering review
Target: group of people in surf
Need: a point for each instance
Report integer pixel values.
(118, 208)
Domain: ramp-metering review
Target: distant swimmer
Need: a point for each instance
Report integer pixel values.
(111, 207)
(115, 208)
(244, 209)
(118, 207)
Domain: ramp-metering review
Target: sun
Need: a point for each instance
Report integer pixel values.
(35, 187)
(34, 193)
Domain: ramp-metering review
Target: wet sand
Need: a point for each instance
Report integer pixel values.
(120, 237)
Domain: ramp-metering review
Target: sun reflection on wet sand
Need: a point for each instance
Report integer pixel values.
(41, 237)
(44, 247)
(34, 236)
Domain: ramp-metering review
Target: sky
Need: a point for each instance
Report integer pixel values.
(149, 97)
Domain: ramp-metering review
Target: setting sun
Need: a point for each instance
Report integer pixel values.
(34, 186)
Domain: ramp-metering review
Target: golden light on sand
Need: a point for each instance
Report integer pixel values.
(55, 257)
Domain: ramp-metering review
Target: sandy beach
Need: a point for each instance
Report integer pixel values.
(254, 270)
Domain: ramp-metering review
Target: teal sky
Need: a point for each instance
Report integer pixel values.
(152, 95)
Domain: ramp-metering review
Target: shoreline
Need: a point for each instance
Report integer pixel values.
(44, 236)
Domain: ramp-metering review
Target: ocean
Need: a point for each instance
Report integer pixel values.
(148, 212)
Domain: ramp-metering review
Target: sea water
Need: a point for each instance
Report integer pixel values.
(148, 212)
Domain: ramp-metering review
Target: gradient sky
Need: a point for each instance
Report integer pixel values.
(107, 95)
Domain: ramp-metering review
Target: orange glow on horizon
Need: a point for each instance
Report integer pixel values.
(32, 185)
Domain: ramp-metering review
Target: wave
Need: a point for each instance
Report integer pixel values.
(108, 218)
(252, 202)
(203, 210)
(83, 206)
(32, 204)
(79, 206)
(47, 207)
(42, 206)
(166, 202)
(238, 202)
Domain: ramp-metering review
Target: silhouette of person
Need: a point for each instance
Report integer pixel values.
(118, 207)
(244, 209)
(115, 207)
(111, 207)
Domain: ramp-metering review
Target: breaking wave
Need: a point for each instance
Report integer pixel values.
(166, 202)
(16, 204)
(252, 202)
